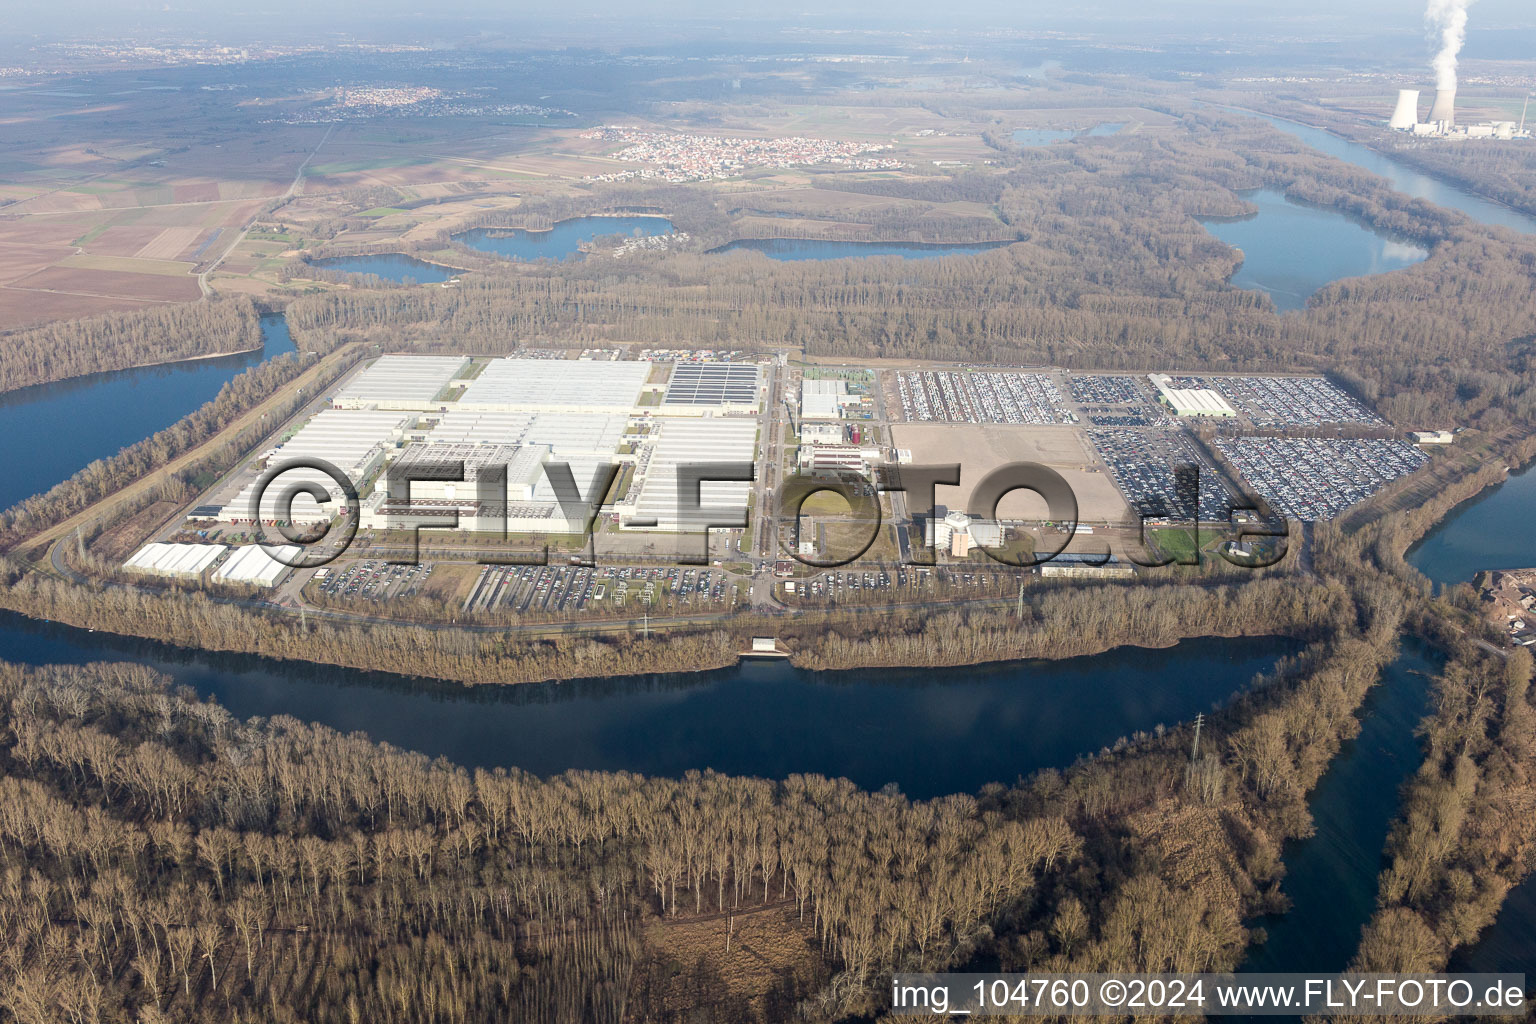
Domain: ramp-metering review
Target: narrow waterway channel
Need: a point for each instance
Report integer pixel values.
(1331, 876)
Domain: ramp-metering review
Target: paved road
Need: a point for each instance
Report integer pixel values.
(293, 190)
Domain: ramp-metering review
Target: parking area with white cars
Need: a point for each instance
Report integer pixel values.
(566, 589)
(1277, 402)
(1311, 478)
(1143, 467)
(948, 396)
(1102, 389)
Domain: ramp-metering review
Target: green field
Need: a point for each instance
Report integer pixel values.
(1179, 544)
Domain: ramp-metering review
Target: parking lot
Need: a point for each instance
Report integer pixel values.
(949, 397)
(567, 589)
(903, 582)
(1143, 467)
(1287, 401)
(1093, 389)
(374, 580)
(1317, 478)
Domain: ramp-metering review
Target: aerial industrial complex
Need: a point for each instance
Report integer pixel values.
(551, 450)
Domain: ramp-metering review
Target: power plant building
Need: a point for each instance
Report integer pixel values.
(1406, 114)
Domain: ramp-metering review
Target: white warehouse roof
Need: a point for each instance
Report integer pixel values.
(352, 440)
(556, 384)
(174, 559)
(566, 434)
(254, 566)
(692, 441)
(399, 382)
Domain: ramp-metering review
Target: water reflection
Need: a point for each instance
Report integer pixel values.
(1290, 250)
(563, 241)
(392, 266)
(52, 431)
(929, 731)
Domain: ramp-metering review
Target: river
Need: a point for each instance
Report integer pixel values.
(1331, 876)
(52, 431)
(929, 732)
(1404, 178)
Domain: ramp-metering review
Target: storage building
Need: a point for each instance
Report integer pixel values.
(682, 442)
(253, 566)
(399, 382)
(186, 561)
(1191, 402)
(556, 385)
(354, 441)
(822, 399)
(718, 385)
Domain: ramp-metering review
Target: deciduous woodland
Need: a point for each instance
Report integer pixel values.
(1113, 271)
(116, 341)
(165, 862)
(162, 861)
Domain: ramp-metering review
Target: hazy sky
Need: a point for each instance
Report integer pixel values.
(285, 19)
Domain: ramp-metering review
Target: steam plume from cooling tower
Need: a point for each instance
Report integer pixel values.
(1448, 20)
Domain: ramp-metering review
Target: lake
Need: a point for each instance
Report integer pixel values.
(391, 266)
(54, 430)
(1490, 531)
(1404, 178)
(561, 242)
(824, 249)
(928, 731)
(1290, 250)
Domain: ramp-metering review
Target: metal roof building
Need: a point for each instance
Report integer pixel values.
(713, 384)
(399, 382)
(556, 385)
(252, 565)
(680, 442)
(185, 560)
(822, 399)
(353, 440)
(566, 435)
(1191, 401)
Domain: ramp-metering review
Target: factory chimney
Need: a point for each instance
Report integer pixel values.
(1406, 114)
(1445, 106)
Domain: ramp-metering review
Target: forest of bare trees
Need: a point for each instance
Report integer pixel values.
(166, 862)
(116, 341)
(1115, 273)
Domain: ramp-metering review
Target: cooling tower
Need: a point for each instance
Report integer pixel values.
(1406, 114)
(1445, 106)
